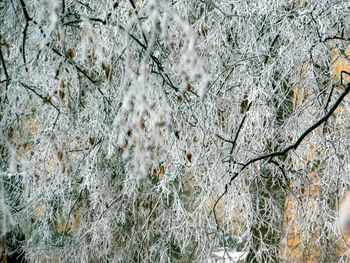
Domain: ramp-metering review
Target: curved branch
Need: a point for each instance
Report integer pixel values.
(293, 146)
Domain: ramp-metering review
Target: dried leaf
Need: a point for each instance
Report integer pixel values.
(107, 69)
(159, 172)
(189, 87)
(179, 98)
(60, 155)
(244, 104)
(10, 133)
(92, 141)
(129, 133)
(61, 94)
(70, 54)
(142, 124)
(189, 156)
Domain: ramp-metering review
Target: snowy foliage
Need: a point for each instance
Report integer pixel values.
(158, 131)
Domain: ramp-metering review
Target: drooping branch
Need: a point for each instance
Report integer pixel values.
(25, 12)
(269, 156)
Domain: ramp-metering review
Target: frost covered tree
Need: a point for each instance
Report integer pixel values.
(159, 131)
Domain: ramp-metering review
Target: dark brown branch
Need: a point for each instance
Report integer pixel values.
(138, 20)
(104, 22)
(283, 173)
(222, 138)
(234, 141)
(307, 132)
(4, 65)
(25, 12)
(337, 38)
(24, 44)
(28, 19)
(5, 80)
(329, 97)
(293, 146)
(273, 43)
(63, 3)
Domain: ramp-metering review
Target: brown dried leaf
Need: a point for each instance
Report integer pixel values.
(189, 156)
(10, 133)
(60, 155)
(70, 53)
(244, 104)
(92, 141)
(61, 94)
(189, 87)
(142, 124)
(107, 69)
(159, 172)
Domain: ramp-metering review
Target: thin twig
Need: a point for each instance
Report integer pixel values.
(109, 206)
(71, 210)
(45, 99)
(28, 19)
(138, 20)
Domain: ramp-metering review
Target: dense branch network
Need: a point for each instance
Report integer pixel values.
(139, 98)
(269, 156)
